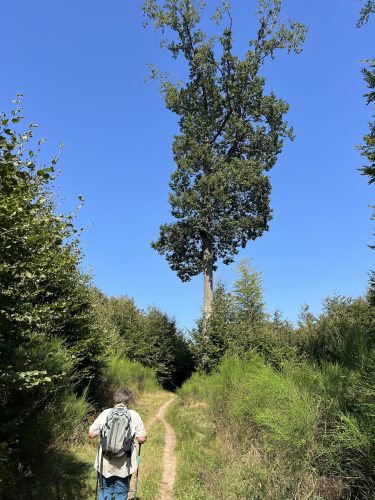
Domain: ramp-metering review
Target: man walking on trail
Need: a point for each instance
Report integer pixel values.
(115, 471)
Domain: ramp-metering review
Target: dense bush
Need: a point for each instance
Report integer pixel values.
(49, 351)
(344, 333)
(258, 402)
(62, 342)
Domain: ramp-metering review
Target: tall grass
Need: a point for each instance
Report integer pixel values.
(296, 430)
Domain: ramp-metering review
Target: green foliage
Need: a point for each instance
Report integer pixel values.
(366, 11)
(160, 332)
(368, 148)
(211, 343)
(48, 346)
(152, 339)
(344, 333)
(121, 372)
(253, 393)
(252, 328)
(231, 133)
(304, 430)
(307, 400)
(239, 323)
(264, 428)
(102, 319)
(248, 295)
(128, 321)
(60, 339)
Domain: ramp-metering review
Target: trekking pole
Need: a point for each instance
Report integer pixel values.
(98, 475)
(136, 477)
(97, 485)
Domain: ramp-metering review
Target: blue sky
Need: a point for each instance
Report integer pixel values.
(81, 67)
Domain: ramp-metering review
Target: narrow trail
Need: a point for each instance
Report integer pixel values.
(169, 456)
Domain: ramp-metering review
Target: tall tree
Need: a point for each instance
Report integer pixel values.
(231, 132)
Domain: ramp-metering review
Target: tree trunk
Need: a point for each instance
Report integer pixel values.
(208, 263)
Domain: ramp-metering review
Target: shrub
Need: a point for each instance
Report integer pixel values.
(121, 372)
(268, 404)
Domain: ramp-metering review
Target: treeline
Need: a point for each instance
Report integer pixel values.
(294, 406)
(62, 342)
(149, 337)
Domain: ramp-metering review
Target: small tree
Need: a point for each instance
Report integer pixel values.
(249, 307)
(248, 294)
(231, 133)
(213, 341)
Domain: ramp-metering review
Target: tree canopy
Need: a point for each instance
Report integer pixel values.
(231, 132)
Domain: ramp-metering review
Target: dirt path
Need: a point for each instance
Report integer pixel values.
(169, 456)
(159, 415)
(167, 463)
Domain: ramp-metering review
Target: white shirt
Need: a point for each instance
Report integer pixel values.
(118, 466)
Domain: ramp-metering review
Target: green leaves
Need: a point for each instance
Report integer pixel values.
(47, 337)
(366, 11)
(33, 378)
(151, 338)
(368, 148)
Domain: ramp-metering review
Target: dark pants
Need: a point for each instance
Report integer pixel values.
(114, 485)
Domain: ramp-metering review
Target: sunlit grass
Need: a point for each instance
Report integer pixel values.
(148, 404)
(151, 466)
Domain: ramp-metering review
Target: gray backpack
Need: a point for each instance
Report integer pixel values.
(116, 438)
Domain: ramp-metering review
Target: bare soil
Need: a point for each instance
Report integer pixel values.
(169, 456)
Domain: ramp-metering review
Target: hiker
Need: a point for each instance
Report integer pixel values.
(116, 468)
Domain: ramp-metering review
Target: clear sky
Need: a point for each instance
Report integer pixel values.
(81, 66)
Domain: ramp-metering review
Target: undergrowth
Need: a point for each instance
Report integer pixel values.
(249, 431)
